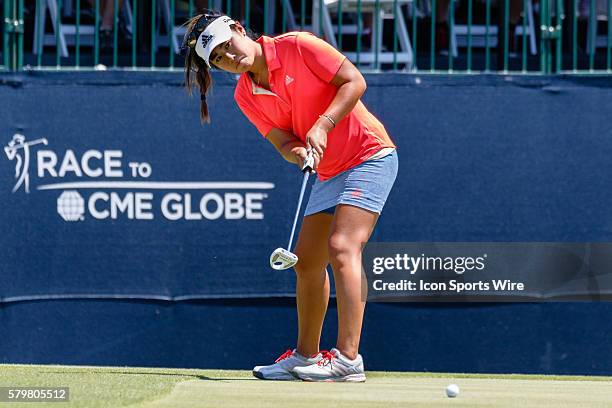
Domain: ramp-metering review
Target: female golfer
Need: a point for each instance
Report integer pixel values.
(304, 96)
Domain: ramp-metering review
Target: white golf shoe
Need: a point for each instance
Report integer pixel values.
(284, 365)
(333, 366)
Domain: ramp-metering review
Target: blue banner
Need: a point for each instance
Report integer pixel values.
(110, 187)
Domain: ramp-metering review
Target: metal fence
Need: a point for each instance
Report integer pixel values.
(12, 35)
(439, 36)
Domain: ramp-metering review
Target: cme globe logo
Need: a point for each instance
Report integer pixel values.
(71, 206)
(103, 185)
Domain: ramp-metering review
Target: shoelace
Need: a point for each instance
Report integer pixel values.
(284, 356)
(326, 358)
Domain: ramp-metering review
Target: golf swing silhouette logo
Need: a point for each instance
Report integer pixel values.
(282, 258)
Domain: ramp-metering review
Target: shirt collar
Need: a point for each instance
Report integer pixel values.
(269, 49)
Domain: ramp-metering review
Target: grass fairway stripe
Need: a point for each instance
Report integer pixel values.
(100, 387)
(387, 392)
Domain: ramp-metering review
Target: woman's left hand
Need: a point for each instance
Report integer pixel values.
(316, 139)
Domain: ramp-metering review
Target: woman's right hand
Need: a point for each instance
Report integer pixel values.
(301, 153)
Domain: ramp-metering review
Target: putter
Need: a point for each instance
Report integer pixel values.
(282, 258)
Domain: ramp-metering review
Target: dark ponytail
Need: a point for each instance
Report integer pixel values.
(197, 73)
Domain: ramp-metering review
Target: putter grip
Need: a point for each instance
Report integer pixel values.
(308, 163)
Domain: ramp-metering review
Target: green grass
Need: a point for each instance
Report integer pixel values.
(175, 388)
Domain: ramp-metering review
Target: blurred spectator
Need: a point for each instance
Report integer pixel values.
(583, 16)
(238, 7)
(200, 5)
(107, 12)
(584, 8)
(442, 28)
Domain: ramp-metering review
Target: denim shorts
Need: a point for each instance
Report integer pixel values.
(366, 186)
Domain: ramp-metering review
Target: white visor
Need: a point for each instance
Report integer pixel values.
(217, 32)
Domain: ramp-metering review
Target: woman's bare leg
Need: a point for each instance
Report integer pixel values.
(350, 229)
(312, 288)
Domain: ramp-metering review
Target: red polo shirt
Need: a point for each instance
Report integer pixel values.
(301, 67)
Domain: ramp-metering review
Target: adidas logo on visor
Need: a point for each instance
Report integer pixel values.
(206, 39)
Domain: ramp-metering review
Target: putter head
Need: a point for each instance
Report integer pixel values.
(282, 259)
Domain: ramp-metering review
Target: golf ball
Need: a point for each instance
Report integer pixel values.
(452, 390)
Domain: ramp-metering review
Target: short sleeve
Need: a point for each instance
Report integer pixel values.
(260, 123)
(320, 57)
